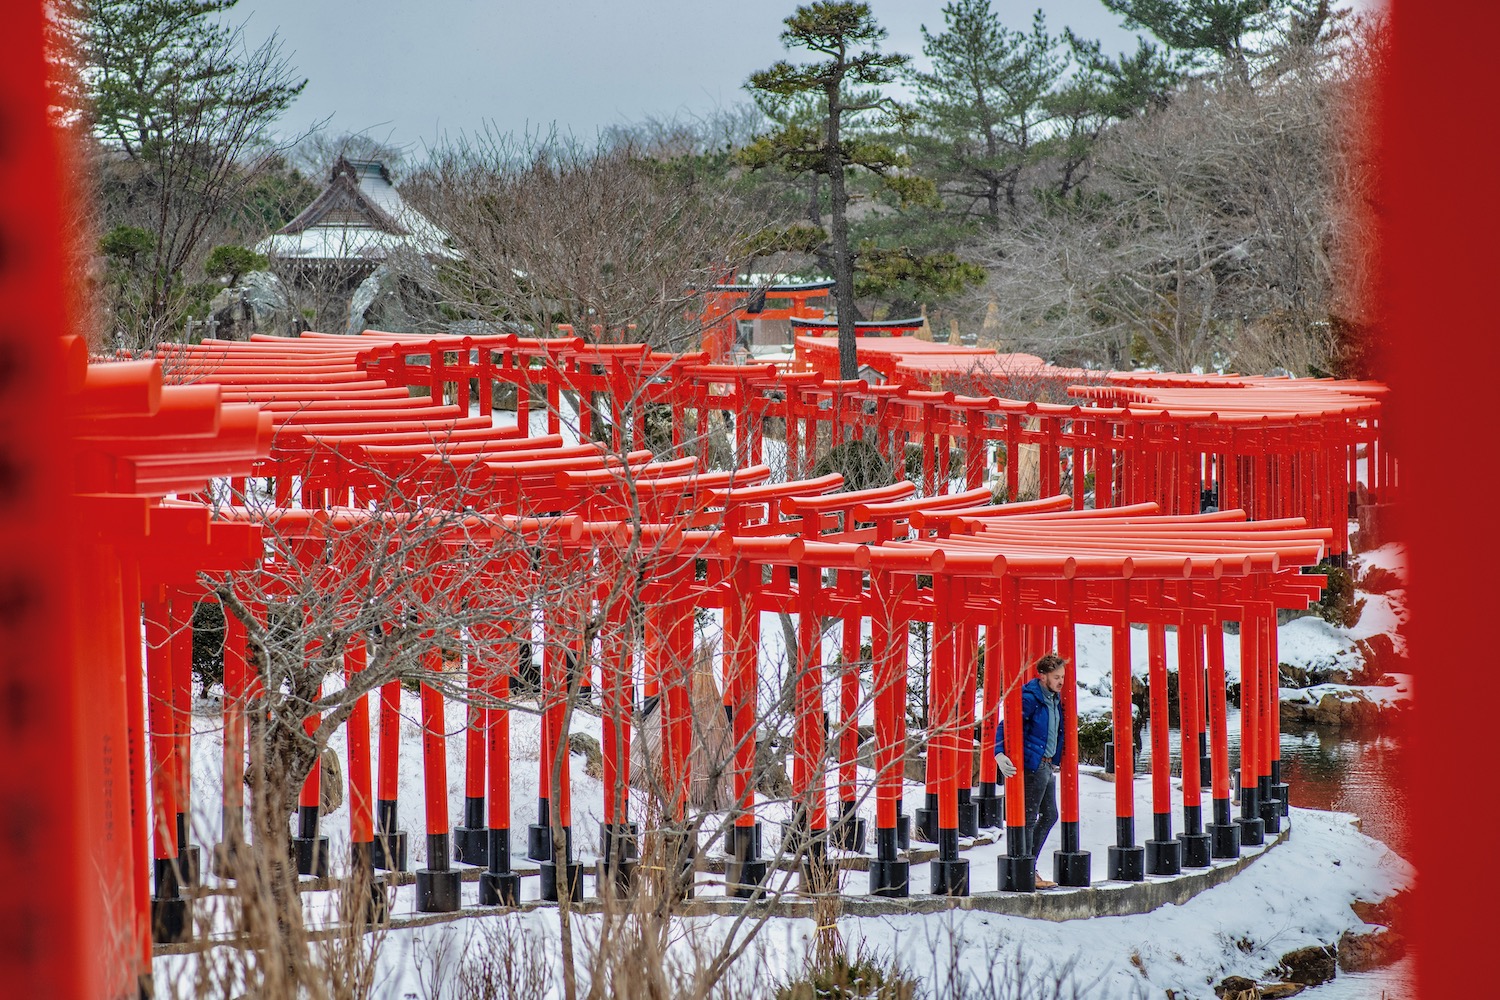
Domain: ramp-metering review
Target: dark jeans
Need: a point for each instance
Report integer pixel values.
(1041, 805)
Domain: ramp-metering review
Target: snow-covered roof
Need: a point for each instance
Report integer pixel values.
(359, 215)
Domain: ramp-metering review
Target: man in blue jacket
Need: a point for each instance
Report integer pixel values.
(1041, 741)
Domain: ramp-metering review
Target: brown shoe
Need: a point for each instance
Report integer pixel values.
(1045, 883)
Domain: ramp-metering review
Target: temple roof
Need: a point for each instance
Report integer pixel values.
(359, 215)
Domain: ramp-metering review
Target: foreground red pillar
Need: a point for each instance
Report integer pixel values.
(1435, 275)
(848, 832)
(438, 885)
(361, 795)
(619, 838)
(1223, 831)
(470, 838)
(1252, 827)
(1017, 866)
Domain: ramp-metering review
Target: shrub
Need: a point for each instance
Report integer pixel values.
(232, 262)
(860, 463)
(845, 978)
(1093, 732)
(208, 645)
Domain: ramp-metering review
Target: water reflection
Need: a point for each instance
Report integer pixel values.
(1343, 769)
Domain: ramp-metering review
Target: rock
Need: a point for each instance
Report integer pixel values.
(1374, 524)
(1345, 708)
(258, 303)
(915, 765)
(1309, 966)
(1277, 990)
(1361, 951)
(386, 300)
(1237, 988)
(1379, 657)
(330, 783)
(593, 753)
(1293, 676)
(1387, 912)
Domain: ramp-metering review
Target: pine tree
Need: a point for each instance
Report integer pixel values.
(983, 103)
(845, 83)
(181, 109)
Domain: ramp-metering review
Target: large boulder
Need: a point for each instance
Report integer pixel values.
(1309, 966)
(388, 300)
(257, 303)
(1379, 657)
(1361, 951)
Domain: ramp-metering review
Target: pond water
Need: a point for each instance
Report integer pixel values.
(1346, 770)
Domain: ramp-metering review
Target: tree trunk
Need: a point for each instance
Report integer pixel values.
(843, 262)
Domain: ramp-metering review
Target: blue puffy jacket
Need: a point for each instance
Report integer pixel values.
(1036, 714)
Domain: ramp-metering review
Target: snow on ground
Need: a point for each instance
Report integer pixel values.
(1296, 894)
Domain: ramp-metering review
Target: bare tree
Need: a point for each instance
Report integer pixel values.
(1215, 230)
(606, 239)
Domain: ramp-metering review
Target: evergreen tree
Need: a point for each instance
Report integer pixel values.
(1219, 27)
(181, 109)
(984, 104)
(845, 84)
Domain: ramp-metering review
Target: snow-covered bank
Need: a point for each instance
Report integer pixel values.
(1297, 895)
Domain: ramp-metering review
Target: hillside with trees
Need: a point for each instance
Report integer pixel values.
(1196, 203)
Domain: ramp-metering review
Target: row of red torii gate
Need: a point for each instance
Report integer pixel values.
(1177, 502)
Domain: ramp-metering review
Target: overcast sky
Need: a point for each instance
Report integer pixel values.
(412, 72)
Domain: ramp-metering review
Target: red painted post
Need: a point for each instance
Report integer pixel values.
(1017, 867)
(1279, 789)
(988, 802)
(1127, 862)
(361, 797)
(1072, 864)
(181, 618)
(499, 885)
(169, 910)
(471, 838)
(1223, 832)
(849, 829)
(810, 819)
(747, 872)
(966, 660)
(1163, 851)
(308, 848)
(950, 873)
(1252, 827)
(889, 876)
(438, 885)
(558, 872)
(140, 766)
(236, 667)
(1195, 843)
(1270, 702)
(390, 839)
